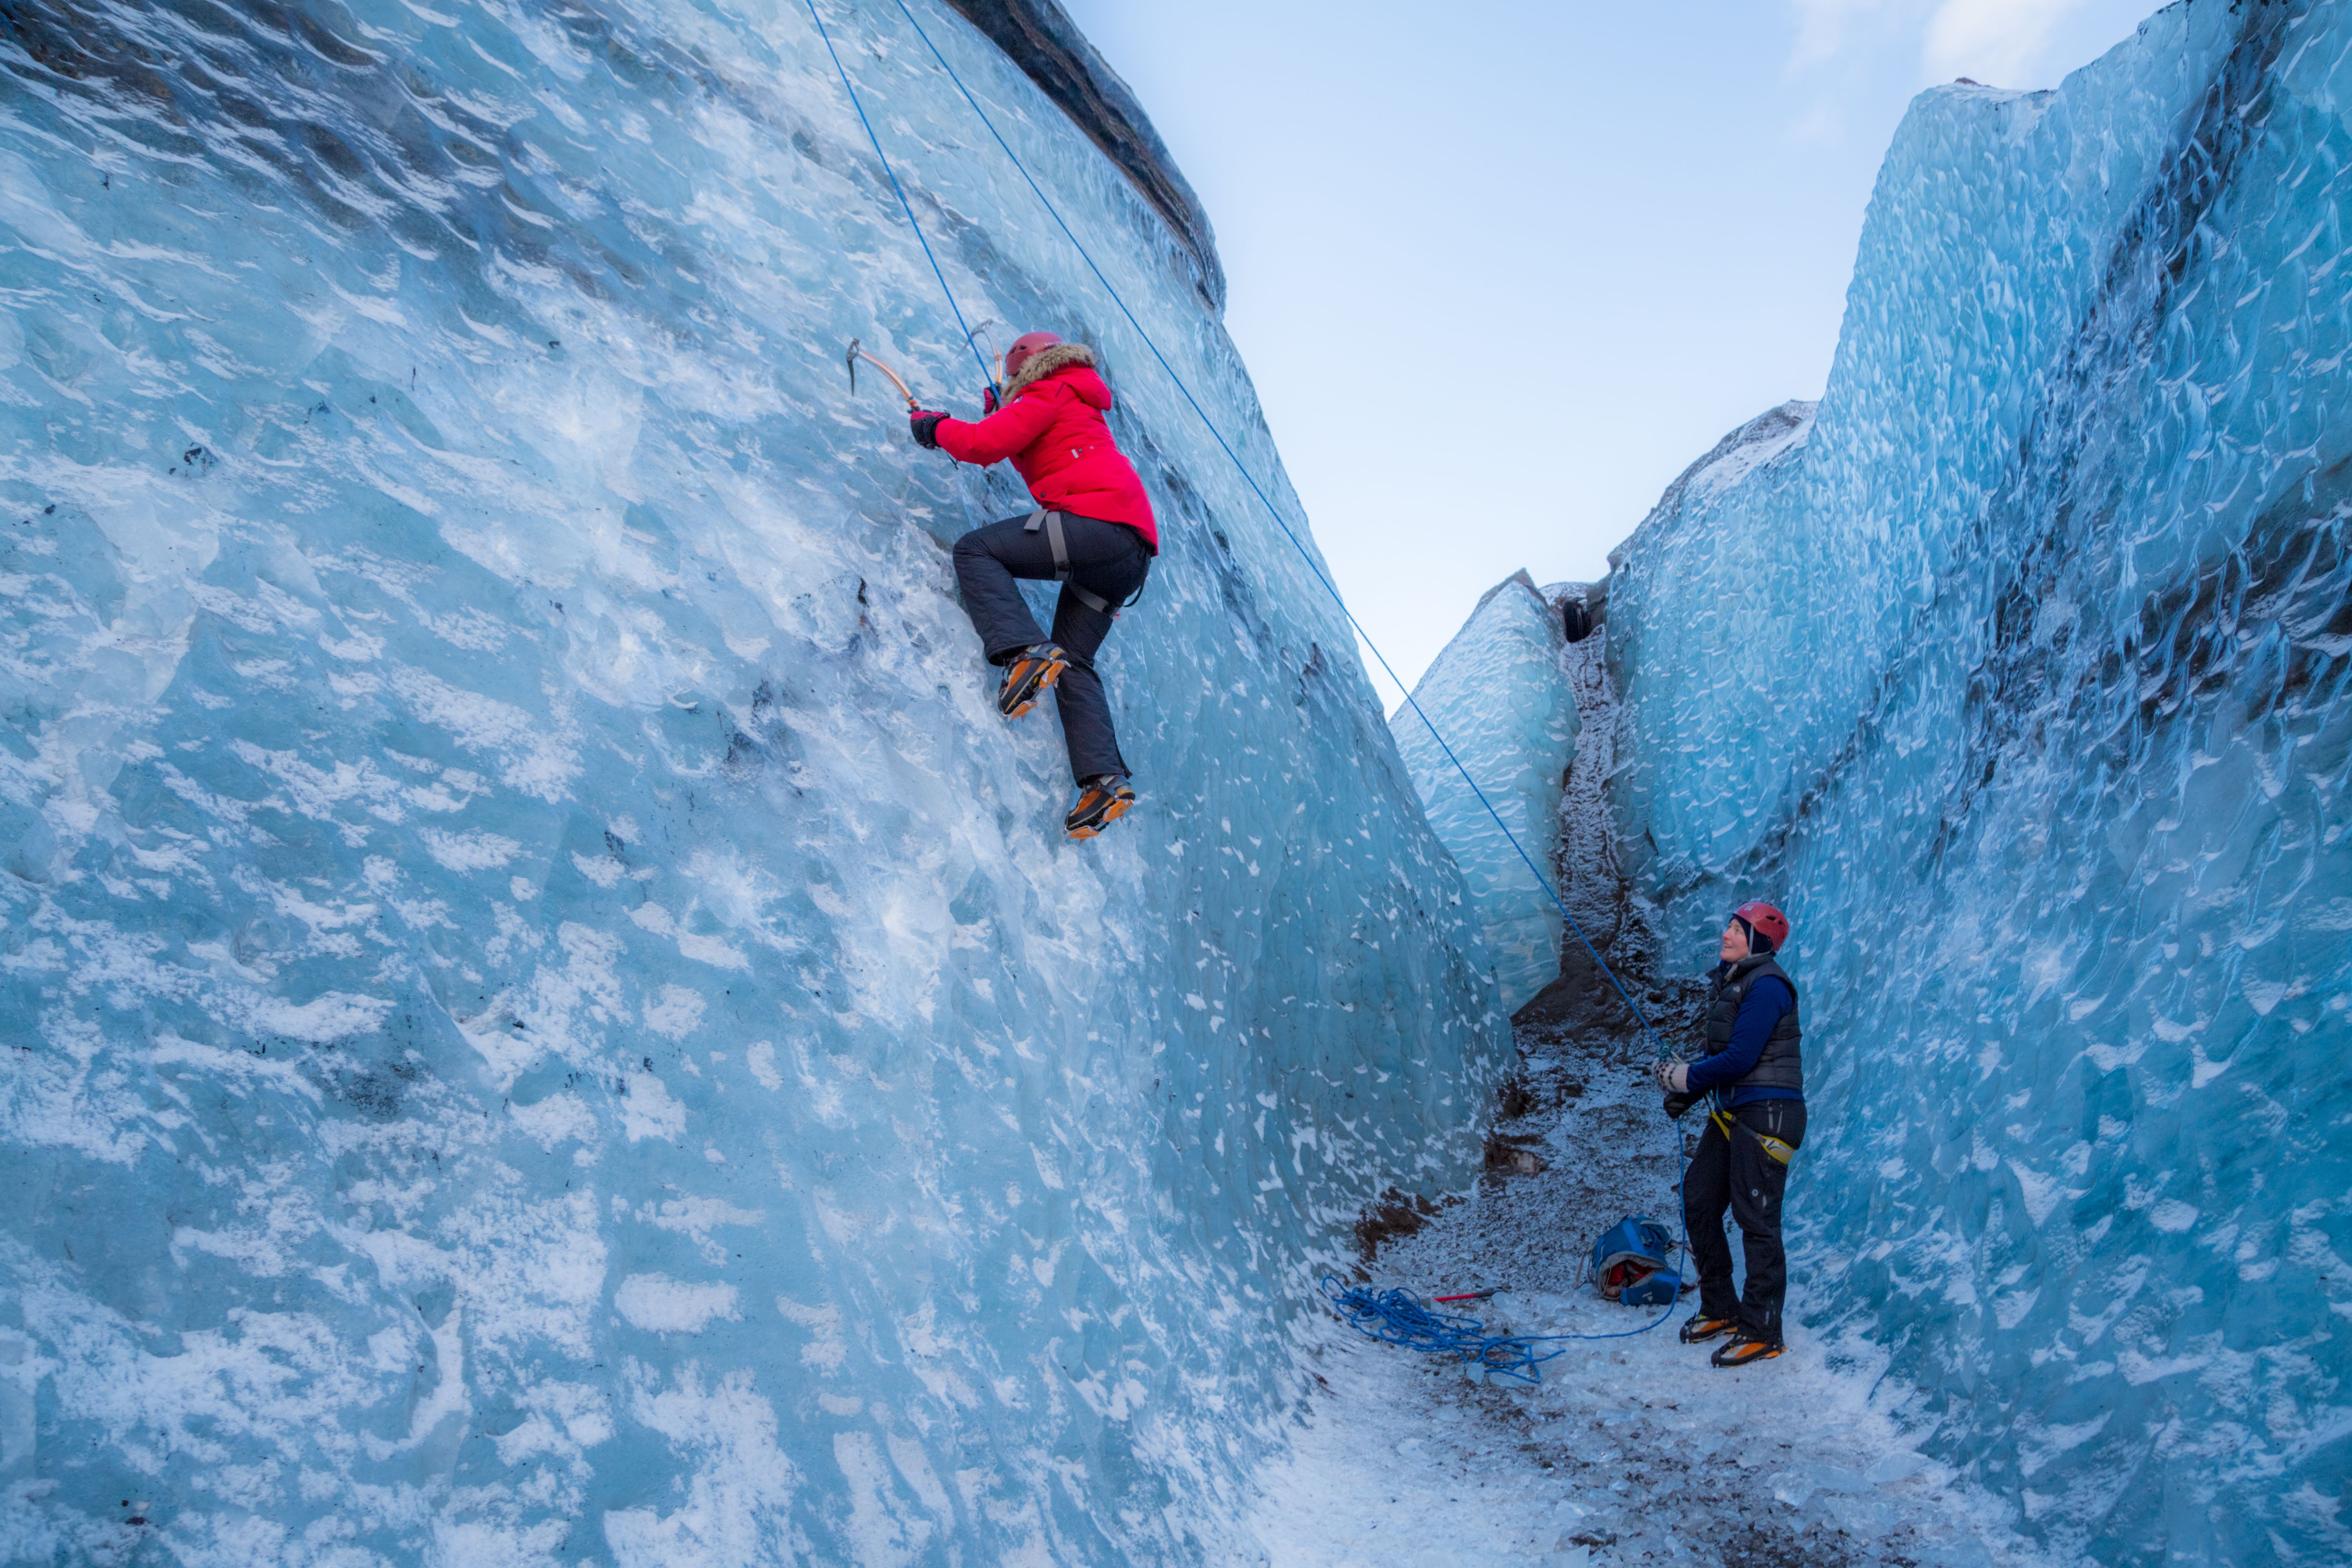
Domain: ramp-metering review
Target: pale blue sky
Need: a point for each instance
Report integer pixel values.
(1501, 269)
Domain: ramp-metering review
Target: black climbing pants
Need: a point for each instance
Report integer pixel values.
(1108, 560)
(1739, 1173)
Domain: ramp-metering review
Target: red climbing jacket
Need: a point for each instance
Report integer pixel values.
(1052, 427)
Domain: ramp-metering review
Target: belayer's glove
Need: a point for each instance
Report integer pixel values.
(1679, 1103)
(926, 427)
(1673, 1077)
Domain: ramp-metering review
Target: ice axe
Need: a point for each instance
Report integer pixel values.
(996, 355)
(857, 352)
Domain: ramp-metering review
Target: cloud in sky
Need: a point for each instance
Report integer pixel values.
(1821, 28)
(1998, 42)
(2005, 42)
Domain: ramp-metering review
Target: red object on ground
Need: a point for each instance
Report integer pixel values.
(1053, 430)
(1771, 922)
(1473, 1296)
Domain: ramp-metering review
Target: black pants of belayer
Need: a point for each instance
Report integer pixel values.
(1108, 560)
(1737, 1172)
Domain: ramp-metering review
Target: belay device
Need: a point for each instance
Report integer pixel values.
(1629, 1263)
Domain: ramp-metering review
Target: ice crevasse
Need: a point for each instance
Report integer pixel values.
(547, 1018)
(2047, 614)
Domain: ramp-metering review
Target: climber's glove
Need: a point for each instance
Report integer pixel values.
(926, 427)
(1679, 1103)
(1673, 1077)
(989, 403)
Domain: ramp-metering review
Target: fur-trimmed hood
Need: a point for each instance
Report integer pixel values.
(1045, 362)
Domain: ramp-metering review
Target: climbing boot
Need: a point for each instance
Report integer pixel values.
(1028, 675)
(1101, 802)
(1698, 1329)
(1745, 1348)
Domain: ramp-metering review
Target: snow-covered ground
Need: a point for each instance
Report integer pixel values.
(1631, 1450)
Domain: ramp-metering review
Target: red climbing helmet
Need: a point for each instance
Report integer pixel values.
(1765, 921)
(1024, 345)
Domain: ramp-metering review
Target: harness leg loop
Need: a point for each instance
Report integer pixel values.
(1050, 522)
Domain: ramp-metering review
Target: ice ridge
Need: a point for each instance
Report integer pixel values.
(1511, 723)
(1039, 37)
(2043, 737)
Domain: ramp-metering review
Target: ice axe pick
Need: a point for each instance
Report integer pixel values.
(857, 352)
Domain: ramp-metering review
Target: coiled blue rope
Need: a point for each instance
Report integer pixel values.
(1398, 1318)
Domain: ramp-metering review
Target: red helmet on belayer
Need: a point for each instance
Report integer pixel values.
(1024, 345)
(1763, 919)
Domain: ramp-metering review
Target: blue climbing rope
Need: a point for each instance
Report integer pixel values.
(905, 205)
(1397, 1318)
(1390, 1307)
(1247, 478)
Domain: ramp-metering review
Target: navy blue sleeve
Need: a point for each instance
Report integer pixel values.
(1760, 1013)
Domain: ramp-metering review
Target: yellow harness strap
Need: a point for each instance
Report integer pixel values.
(1779, 1149)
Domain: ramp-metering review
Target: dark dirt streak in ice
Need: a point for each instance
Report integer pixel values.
(1601, 899)
(1592, 883)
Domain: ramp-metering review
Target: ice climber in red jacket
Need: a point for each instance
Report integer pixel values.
(1092, 532)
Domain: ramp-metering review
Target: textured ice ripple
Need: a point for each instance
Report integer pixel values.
(1510, 722)
(2047, 758)
(547, 1018)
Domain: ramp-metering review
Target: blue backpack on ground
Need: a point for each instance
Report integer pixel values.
(1629, 1263)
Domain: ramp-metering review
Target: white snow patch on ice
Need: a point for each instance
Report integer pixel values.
(666, 1306)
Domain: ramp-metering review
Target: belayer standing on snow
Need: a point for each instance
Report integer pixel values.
(1092, 532)
(1756, 1076)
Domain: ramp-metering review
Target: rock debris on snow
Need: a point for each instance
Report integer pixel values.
(1632, 1450)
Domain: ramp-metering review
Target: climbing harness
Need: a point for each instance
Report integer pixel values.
(1050, 522)
(1776, 1149)
(1509, 1367)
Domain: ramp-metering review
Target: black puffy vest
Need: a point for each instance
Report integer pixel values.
(1782, 1065)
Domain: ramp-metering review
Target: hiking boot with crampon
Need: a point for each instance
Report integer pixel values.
(1101, 802)
(1698, 1329)
(1744, 1349)
(1026, 678)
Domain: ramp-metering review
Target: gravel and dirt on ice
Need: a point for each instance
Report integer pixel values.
(1632, 1450)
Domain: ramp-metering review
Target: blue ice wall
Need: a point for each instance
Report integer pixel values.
(2040, 734)
(547, 1019)
(1497, 693)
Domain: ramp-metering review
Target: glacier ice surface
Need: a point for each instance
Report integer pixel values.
(2049, 607)
(1510, 720)
(547, 1018)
